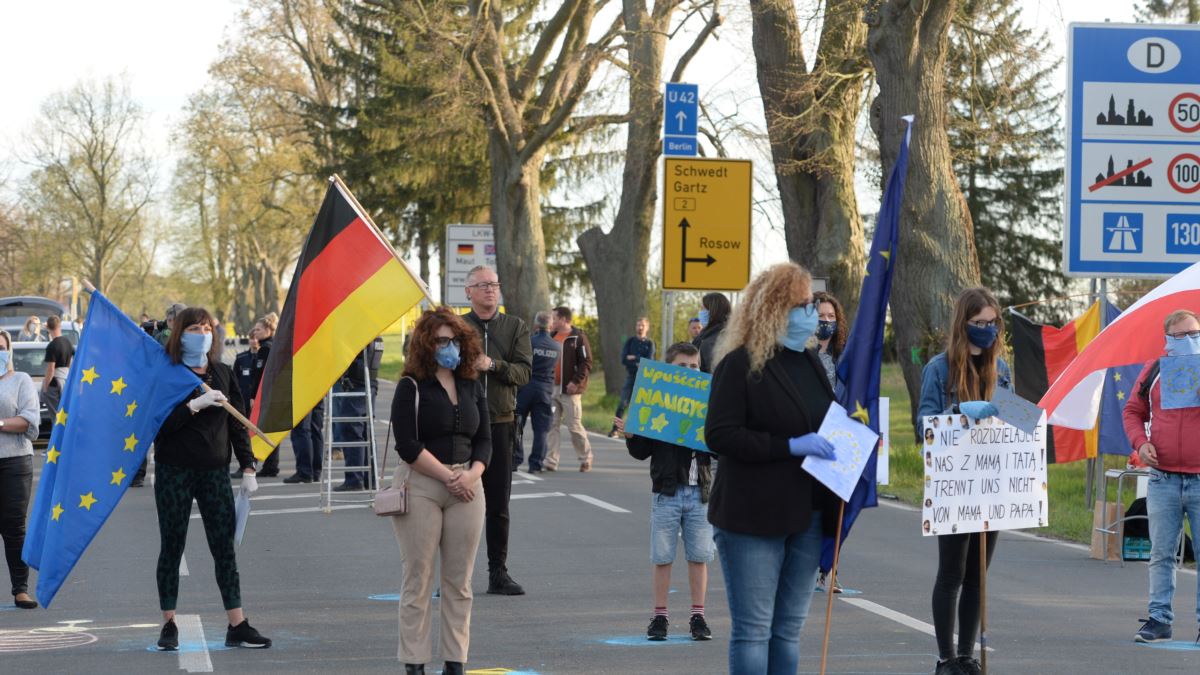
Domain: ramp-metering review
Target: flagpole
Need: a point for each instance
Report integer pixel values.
(237, 415)
(832, 583)
(983, 602)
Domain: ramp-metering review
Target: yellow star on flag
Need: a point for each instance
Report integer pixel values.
(130, 408)
(61, 417)
(659, 423)
(56, 511)
(90, 374)
(118, 386)
(130, 442)
(1116, 377)
(1120, 396)
(887, 255)
(86, 501)
(118, 476)
(52, 456)
(860, 413)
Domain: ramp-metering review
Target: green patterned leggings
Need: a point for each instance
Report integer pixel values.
(174, 489)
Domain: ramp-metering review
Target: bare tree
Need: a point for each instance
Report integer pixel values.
(811, 117)
(91, 181)
(936, 257)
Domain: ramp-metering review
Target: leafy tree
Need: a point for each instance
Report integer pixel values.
(1184, 11)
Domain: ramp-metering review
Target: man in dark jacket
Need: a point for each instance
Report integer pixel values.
(636, 348)
(572, 379)
(504, 366)
(535, 400)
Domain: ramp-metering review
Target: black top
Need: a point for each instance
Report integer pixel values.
(453, 434)
(670, 465)
(60, 351)
(638, 348)
(259, 365)
(760, 488)
(204, 440)
(706, 342)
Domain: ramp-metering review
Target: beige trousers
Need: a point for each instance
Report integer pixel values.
(568, 407)
(437, 522)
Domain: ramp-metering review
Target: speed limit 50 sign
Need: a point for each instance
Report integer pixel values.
(1132, 197)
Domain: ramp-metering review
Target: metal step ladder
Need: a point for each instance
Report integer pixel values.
(371, 468)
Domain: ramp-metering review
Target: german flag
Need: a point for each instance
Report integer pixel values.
(349, 285)
(1040, 354)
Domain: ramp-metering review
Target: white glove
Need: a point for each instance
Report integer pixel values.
(249, 483)
(206, 400)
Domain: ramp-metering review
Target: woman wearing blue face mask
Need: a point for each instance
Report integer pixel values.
(191, 456)
(443, 434)
(961, 380)
(714, 314)
(769, 397)
(19, 418)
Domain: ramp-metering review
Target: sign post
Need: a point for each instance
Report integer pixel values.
(1132, 197)
(706, 224)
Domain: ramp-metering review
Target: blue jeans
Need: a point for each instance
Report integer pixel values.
(535, 402)
(626, 392)
(1168, 498)
(769, 583)
(681, 512)
(351, 431)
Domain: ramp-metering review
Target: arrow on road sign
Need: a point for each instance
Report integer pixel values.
(681, 117)
(708, 260)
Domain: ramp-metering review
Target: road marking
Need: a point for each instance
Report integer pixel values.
(522, 482)
(527, 476)
(313, 509)
(898, 617)
(298, 495)
(538, 495)
(191, 632)
(601, 503)
(183, 570)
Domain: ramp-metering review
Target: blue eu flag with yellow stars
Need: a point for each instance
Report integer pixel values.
(860, 365)
(1118, 387)
(121, 387)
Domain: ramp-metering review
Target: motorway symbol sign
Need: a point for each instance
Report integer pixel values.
(680, 116)
(706, 224)
(1133, 150)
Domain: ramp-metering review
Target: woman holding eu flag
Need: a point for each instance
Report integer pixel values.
(960, 381)
(19, 418)
(191, 455)
(769, 397)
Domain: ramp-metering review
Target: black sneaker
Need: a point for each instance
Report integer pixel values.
(699, 628)
(244, 635)
(1153, 631)
(348, 487)
(168, 639)
(268, 474)
(657, 631)
(137, 482)
(949, 667)
(969, 665)
(499, 583)
(297, 478)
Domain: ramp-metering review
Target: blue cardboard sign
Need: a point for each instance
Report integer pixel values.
(669, 404)
(1132, 179)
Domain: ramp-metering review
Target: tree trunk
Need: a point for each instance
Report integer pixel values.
(617, 261)
(811, 122)
(423, 253)
(936, 255)
(517, 223)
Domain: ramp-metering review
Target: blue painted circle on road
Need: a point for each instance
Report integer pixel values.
(190, 647)
(1174, 645)
(387, 597)
(641, 641)
(845, 591)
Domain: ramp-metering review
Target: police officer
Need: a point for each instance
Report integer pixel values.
(354, 380)
(535, 400)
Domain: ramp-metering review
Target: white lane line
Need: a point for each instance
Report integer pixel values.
(298, 495)
(191, 632)
(266, 484)
(601, 503)
(527, 476)
(183, 570)
(522, 482)
(898, 617)
(314, 509)
(538, 495)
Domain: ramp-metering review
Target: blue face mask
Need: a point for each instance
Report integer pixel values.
(448, 356)
(1183, 346)
(983, 338)
(195, 348)
(802, 322)
(826, 329)
(4, 357)
(703, 316)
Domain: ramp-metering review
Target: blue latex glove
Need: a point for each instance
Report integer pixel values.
(978, 409)
(810, 444)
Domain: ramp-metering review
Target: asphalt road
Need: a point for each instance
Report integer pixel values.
(323, 587)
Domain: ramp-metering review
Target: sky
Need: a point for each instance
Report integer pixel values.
(165, 48)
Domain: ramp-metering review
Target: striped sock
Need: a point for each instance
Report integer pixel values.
(660, 611)
(697, 610)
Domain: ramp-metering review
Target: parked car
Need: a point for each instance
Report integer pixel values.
(30, 358)
(15, 310)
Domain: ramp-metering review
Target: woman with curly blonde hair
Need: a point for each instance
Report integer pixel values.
(769, 396)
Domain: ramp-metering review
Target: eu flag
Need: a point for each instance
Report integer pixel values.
(121, 387)
(858, 370)
(1118, 387)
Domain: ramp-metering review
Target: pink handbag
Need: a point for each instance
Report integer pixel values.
(393, 500)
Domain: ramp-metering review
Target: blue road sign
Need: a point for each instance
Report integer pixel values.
(680, 113)
(1132, 192)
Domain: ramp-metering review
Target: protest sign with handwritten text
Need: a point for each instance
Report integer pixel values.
(669, 404)
(982, 475)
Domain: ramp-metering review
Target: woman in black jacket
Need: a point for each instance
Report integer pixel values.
(769, 396)
(714, 314)
(191, 453)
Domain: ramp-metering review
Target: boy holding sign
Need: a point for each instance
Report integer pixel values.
(681, 478)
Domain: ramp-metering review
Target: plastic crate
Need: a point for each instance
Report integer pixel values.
(1136, 548)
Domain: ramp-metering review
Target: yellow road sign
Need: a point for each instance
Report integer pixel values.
(706, 224)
